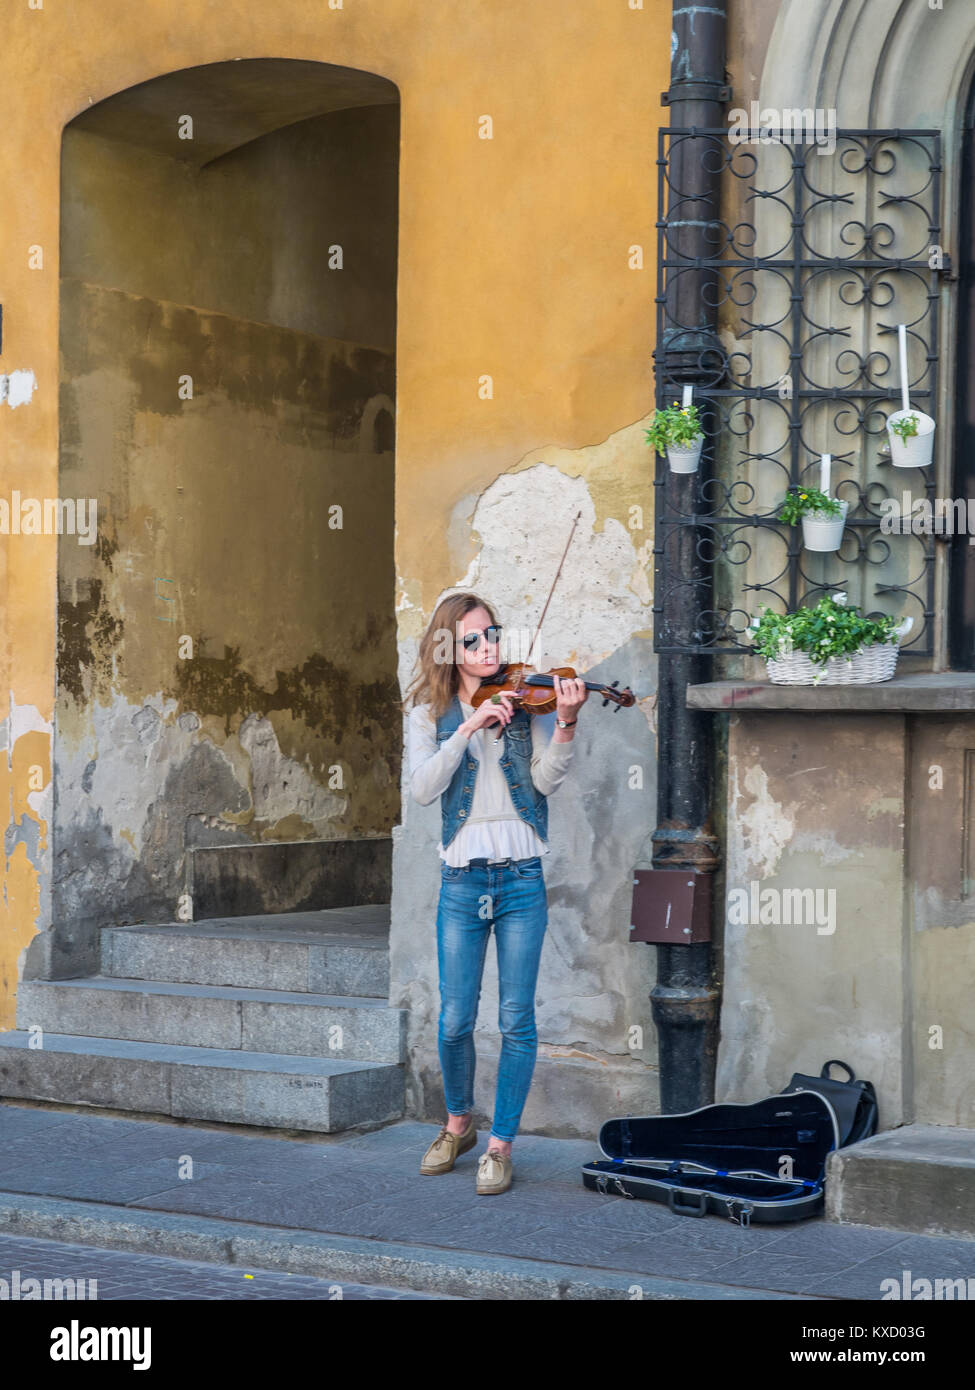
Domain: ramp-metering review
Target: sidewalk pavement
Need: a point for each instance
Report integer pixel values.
(353, 1207)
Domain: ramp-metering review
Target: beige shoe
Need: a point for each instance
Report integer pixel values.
(447, 1148)
(494, 1172)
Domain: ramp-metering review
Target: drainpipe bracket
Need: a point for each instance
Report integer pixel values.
(696, 91)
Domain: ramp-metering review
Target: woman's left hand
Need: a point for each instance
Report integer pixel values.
(570, 696)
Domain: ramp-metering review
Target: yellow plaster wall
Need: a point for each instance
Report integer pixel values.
(513, 252)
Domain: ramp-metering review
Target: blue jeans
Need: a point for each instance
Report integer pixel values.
(510, 895)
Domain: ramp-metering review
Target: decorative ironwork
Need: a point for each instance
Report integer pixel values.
(819, 254)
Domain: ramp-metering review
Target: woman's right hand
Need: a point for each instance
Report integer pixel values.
(489, 713)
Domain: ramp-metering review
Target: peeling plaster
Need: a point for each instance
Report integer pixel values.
(515, 531)
(26, 736)
(25, 742)
(560, 1054)
(790, 993)
(126, 765)
(281, 788)
(648, 708)
(761, 831)
(518, 527)
(18, 388)
(148, 783)
(506, 543)
(523, 520)
(613, 469)
(824, 844)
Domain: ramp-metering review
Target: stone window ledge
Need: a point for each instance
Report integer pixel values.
(933, 692)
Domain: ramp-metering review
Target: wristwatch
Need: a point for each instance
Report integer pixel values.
(566, 723)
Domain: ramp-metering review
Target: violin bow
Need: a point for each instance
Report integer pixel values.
(552, 590)
(608, 692)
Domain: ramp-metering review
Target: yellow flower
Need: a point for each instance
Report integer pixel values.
(803, 495)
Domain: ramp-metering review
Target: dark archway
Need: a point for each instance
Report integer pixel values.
(225, 665)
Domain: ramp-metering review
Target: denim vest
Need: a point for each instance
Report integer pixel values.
(516, 760)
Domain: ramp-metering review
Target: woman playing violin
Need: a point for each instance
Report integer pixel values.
(493, 768)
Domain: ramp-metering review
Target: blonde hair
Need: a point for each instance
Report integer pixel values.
(437, 682)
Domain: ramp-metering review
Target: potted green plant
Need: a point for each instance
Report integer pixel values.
(911, 434)
(831, 644)
(676, 431)
(822, 517)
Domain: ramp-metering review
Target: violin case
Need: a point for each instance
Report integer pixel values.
(762, 1163)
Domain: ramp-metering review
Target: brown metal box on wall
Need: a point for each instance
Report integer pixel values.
(671, 906)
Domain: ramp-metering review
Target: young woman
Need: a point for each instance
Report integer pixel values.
(493, 768)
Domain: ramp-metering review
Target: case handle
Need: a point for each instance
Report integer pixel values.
(699, 1208)
(837, 1063)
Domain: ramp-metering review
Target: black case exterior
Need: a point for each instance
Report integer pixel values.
(728, 1159)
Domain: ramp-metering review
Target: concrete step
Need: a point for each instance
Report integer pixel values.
(917, 1178)
(295, 1023)
(336, 951)
(201, 1083)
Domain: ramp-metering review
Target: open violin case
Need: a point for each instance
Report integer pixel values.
(764, 1162)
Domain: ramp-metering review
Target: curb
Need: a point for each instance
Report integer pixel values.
(422, 1269)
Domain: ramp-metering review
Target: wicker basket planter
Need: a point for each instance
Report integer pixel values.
(870, 664)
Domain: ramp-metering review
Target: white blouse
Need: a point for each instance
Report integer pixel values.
(494, 829)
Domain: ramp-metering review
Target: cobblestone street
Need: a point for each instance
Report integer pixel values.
(123, 1274)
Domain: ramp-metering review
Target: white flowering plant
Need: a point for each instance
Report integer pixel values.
(906, 426)
(833, 628)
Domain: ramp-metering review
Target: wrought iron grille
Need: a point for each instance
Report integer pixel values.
(818, 255)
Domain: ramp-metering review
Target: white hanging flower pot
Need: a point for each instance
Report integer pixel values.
(823, 532)
(685, 458)
(917, 450)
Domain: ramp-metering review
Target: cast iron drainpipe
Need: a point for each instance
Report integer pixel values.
(685, 999)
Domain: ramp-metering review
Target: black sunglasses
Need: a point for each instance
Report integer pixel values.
(491, 635)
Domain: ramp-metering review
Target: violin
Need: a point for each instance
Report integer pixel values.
(534, 691)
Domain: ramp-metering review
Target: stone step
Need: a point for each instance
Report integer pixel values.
(336, 951)
(229, 1018)
(916, 1178)
(201, 1083)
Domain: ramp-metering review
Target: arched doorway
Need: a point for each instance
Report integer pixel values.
(227, 651)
